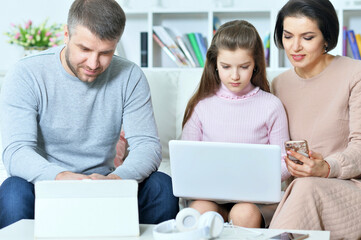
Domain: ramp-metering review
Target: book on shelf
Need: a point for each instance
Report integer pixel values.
(166, 50)
(190, 49)
(180, 41)
(197, 51)
(267, 45)
(201, 44)
(353, 44)
(216, 24)
(344, 41)
(358, 42)
(144, 49)
(168, 41)
(186, 51)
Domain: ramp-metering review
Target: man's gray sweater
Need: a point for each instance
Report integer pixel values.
(53, 122)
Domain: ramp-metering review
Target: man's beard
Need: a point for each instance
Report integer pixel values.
(67, 60)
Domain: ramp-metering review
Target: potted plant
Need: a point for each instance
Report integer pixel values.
(35, 38)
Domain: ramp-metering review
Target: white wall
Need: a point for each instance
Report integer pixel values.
(20, 11)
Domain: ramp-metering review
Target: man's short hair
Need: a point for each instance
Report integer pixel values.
(104, 18)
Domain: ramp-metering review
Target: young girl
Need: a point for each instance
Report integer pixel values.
(233, 104)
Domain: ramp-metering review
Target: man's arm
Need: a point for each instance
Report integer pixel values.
(20, 104)
(140, 130)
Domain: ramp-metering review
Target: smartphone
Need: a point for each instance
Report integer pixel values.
(290, 236)
(299, 146)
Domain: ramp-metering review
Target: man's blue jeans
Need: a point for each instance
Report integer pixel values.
(156, 202)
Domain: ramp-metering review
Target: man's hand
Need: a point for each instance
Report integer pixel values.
(71, 176)
(96, 176)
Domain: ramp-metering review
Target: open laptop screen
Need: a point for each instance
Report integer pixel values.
(231, 172)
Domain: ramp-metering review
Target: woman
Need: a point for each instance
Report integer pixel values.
(322, 98)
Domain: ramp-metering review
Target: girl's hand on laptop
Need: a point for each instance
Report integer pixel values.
(315, 166)
(67, 175)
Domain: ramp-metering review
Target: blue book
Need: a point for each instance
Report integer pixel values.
(344, 41)
(266, 46)
(202, 45)
(352, 40)
(216, 24)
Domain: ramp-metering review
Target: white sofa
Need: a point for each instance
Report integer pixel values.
(171, 90)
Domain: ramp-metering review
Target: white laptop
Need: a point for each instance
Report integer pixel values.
(86, 209)
(231, 172)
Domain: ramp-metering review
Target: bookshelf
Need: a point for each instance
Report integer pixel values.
(351, 18)
(184, 20)
(180, 23)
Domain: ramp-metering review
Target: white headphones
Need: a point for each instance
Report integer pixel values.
(191, 225)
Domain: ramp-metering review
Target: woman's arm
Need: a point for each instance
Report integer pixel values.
(345, 164)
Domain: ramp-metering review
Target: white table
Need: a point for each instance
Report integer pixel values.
(24, 230)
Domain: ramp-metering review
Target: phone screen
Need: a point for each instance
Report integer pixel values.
(300, 147)
(290, 236)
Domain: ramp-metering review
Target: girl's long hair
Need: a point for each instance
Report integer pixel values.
(230, 36)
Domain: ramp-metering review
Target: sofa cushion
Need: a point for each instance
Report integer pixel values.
(170, 92)
(187, 85)
(163, 87)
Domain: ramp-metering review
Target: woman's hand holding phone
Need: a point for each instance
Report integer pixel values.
(312, 166)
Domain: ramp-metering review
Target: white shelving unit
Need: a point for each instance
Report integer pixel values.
(181, 16)
(137, 22)
(184, 20)
(351, 18)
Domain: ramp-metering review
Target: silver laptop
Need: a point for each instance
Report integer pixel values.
(86, 209)
(231, 172)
